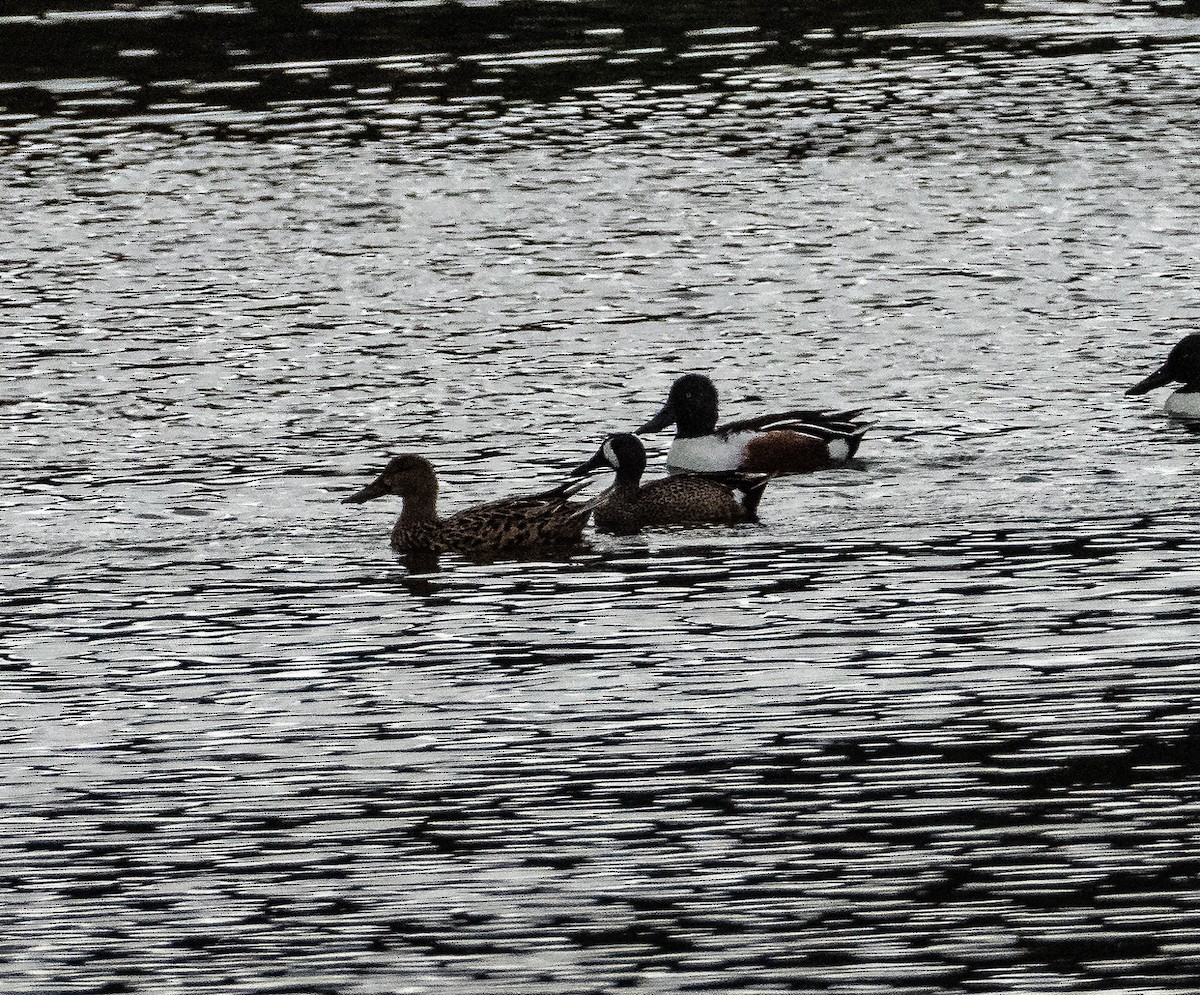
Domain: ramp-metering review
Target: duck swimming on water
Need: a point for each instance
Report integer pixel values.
(539, 521)
(683, 499)
(788, 442)
(1182, 366)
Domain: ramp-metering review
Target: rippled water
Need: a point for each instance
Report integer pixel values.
(931, 726)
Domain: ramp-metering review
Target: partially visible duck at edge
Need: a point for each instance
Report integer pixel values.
(788, 442)
(540, 521)
(1182, 366)
(683, 499)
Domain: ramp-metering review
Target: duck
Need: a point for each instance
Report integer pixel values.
(787, 442)
(547, 520)
(681, 499)
(1182, 366)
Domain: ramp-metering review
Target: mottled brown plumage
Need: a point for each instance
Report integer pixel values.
(682, 499)
(539, 521)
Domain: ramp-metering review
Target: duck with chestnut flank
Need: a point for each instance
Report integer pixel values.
(682, 499)
(540, 521)
(1182, 366)
(787, 442)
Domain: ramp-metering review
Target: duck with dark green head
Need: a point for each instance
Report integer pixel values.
(683, 499)
(797, 441)
(539, 521)
(1182, 366)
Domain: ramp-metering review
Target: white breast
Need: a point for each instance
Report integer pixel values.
(1183, 405)
(708, 454)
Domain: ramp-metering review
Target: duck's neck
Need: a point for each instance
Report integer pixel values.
(627, 484)
(696, 423)
(420, 505)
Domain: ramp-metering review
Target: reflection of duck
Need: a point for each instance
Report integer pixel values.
(678, 500)
(787, 442)
(540, 521)
(1182, 366)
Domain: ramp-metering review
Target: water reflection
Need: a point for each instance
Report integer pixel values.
(702, 775)
(493, 75)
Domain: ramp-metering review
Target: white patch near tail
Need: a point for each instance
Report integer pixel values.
(839, 449)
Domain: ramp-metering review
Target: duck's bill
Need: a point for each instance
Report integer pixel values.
(1158, 378)
(660, 421)
(374, 489)
(597, 462)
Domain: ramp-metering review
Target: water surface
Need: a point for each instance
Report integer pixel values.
(929, 727)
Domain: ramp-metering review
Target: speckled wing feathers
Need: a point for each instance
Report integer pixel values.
(516, 522)
(424, 536)
(511, 523)
(682, 499)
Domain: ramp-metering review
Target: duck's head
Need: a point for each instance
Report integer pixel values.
(1182, 366)
(624, 453)
(691, 405)
(406, 476)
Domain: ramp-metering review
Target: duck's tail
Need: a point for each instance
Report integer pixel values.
(851, 441)
(751, 488)
(563, 491)
(556, 501)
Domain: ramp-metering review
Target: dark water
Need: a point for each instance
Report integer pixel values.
(930, 727)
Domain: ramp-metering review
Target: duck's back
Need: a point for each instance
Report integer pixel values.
(515, 522)
(780, 450)
(677, 500)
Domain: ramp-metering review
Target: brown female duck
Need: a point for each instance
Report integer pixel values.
(539, 521)
(682, 499)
